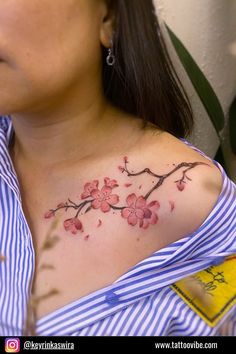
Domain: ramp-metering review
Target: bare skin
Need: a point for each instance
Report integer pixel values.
(67, 135)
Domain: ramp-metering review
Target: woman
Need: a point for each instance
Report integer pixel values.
(100, 213)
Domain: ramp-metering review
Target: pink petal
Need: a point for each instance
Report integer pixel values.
(139, 213)
(147, 213)
(87, 185)
(106, 190)
(84, 195)
(105, 207)
(113, 199)
(145, 224)
(126, 212)
(110, 183)
(131, 199)
(180, 186)
(141, 202)
(128, 184)
(77, 224)
(106, 180)
(154, 205)
(95, 183)
(132, 220)
(67, 224)
(114, 184)
(154, 218)
(96, 193)
(96, 204)
(74, 231)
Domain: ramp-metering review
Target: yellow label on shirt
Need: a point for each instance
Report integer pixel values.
(211, 292)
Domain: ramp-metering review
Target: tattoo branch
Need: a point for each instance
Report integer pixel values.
(138, 209)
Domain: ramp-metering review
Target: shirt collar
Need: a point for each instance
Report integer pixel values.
(7, 170)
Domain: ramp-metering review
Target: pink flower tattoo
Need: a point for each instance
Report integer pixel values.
(88, 188)
(138, 211)
(73, 225)
(103, 199)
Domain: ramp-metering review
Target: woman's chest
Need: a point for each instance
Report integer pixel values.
(86, 234)
(73, 261)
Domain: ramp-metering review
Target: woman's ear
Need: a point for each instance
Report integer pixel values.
(107, 23)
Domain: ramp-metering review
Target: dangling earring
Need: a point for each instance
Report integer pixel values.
(111, 59)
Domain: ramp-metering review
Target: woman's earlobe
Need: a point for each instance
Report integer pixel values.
(106, 37)
(107, 28)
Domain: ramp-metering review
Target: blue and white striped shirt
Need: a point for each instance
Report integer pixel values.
(141, 302)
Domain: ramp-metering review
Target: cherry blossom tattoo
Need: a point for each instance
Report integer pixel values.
(139, 210)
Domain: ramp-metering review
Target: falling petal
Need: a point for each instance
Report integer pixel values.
(172, 205)
(128, 184)
(99, 223)
(180, 186)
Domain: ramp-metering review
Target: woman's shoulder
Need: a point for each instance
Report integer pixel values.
(184, 158)
(188, 184)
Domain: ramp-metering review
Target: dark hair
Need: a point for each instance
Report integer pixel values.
(143, 80)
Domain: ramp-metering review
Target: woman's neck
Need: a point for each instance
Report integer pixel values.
(57, 138)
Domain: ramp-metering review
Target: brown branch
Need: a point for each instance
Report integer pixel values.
(74, 206)
(82, 205)
(162, 178)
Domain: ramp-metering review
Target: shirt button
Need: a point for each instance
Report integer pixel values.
(112, 298)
